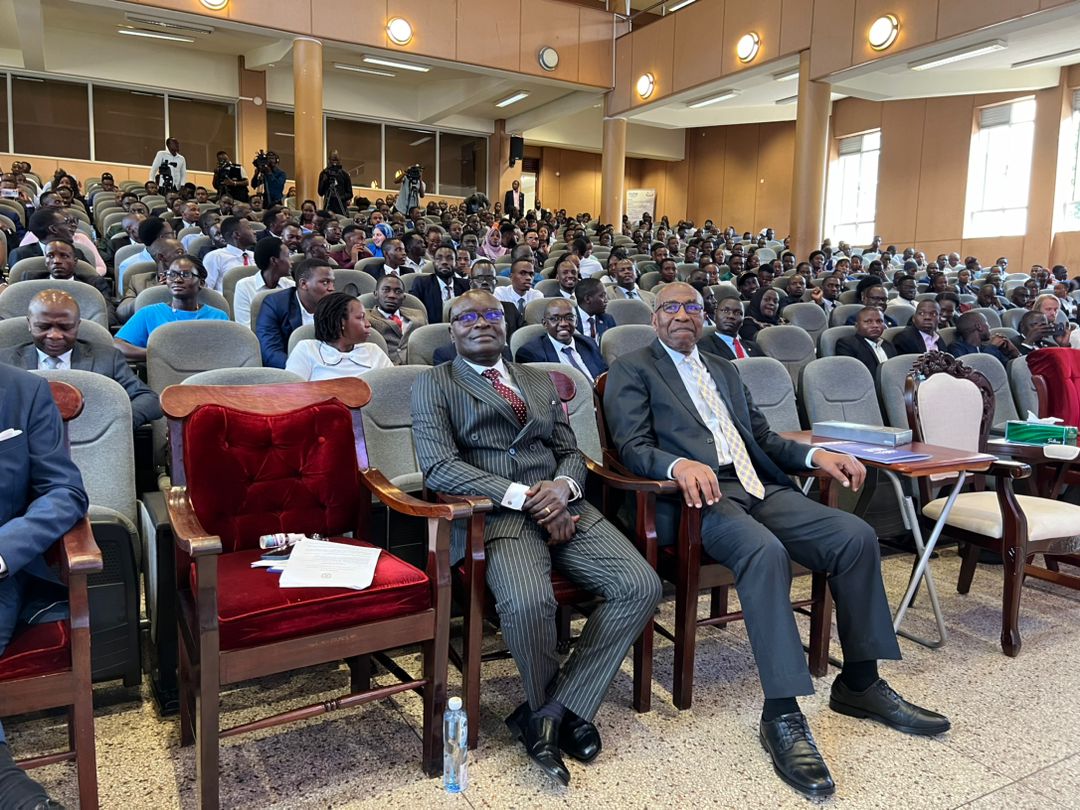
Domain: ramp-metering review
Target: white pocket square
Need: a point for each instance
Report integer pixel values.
(10, 433)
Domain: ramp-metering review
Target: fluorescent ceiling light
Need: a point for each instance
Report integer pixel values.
(419, 141)
(169, 25)
(377, 60)
(355, 69)
(1040, 60)
(786, 75)
(723, 95)
(960, 55)
(680, 4)
(787, 100)
(514, 99)
(131, 32)
(285, 134)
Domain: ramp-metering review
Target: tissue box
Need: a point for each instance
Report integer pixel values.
(868, 434)
(1038, 433)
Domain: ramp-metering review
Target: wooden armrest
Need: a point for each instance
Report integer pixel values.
(477, 502)
(1010, 469)
(629, 482)
(190, 536)
(406, 504)
(81, 554)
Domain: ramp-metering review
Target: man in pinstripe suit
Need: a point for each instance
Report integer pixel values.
(486, 427)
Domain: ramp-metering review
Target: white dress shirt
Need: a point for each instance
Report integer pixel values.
(306, 318)
(564, 358)
(217, 262)
(512, 296)
(875, 347)
(590, 266)
(247, 289)
(413, 267)
(64, 360)
(179, 170)
(583, 322)
(315, 360)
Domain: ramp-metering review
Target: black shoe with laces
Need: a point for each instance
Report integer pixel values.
(881, 702)
(795, 756)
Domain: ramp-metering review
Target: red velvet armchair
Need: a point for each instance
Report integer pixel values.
(48, 665)
(252, 460)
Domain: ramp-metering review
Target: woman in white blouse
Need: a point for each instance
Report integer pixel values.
(340, 347)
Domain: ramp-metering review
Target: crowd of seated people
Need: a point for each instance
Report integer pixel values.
(478, 274)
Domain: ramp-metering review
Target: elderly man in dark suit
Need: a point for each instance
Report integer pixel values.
(486, 427)
(677, 413)
(867, 345)
(922, 335)
(53, 318)
(562, 344)
(42, 497)
(725, 341)
(285, 311)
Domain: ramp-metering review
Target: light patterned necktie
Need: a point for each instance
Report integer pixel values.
(744, 469)
(51, 362)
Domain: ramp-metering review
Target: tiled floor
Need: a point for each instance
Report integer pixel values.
(1015, 741)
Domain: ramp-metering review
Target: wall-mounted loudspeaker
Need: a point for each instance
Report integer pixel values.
(517, 149)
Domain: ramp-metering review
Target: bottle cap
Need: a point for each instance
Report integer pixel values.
(454, 704)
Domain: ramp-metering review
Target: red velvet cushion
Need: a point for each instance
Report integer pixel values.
(252, 474)
(253, 609)
(40, 649)
(1061, 370)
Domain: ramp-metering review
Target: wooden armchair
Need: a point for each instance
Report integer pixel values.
(48, 665)
(251, 460)
(691, 570)
(1017, 527)
(471, 591)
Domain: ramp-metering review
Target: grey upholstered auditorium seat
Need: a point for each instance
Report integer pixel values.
(16, 331)
(829, 338)
(388, 425)
(627, 312)
(791, 345)
(161, 294)
(772, 391)
(839, 388)
(991, 368)
(619, 340)
(423, 341)
(807, 316)
(15, 298)
(891, 378)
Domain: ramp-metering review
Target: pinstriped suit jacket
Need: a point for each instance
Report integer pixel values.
(469, 442)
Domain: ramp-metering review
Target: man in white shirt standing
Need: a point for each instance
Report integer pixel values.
(239, 239)
(520, 292)
(176, 162)
(275, 273)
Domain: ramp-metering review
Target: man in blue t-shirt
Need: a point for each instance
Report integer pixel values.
(185, 277)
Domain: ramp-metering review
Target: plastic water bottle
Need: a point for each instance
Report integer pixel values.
(455, 747)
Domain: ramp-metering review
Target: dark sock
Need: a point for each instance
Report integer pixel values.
(553, 709)
(16, 787)
(859, 675)
(774, 707)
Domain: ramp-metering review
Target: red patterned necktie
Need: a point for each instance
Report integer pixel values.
(246, 262)
(507, 393)
(740, 352)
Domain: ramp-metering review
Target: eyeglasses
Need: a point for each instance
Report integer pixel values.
(567, 318)
(176, 275)
(689, 307)
(489, 315)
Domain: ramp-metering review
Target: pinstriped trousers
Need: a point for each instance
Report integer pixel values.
(598, 559)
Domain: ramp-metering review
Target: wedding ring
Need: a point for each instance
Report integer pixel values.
(547, 511)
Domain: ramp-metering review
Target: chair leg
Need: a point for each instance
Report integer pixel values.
(207, 729)
(967, 568)
(436, 661)
(472, 639)
(686, 601)
(718, 605)
(1010, 610)
(359, 673)
(81, 731)
(562, 617)
(187, 697)
(820, 625)
(643, 669)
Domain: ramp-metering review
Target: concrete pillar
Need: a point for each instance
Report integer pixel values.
(308, 115)
(613, 171)
(811, 161)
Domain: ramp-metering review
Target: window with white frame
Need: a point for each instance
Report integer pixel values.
(1067, 210)
(852, 196)
(999, 170)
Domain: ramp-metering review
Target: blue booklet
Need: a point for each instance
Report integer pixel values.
(874, 452)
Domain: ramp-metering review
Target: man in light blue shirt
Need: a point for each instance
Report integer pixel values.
(150, 230)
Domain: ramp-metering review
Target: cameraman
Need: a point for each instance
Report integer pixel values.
(229, 180)
(335, 187)
(412, 189)
(269, 174)
(176, 163)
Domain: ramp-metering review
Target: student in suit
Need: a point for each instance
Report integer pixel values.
(922, 335)
(676, 413)
(866, 345)
(593, 319)
(496, 429)
(562, 344)
(61, 262)
(53, 318)
(439, 287)
(41, 499)
(514, 201)
(285, 311)
(391, 320)
(725, 341)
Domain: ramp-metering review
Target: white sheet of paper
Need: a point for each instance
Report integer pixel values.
(321, 564)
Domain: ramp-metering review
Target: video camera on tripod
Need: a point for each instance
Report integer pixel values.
(165, 177)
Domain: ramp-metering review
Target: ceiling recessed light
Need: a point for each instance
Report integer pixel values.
(883, 32)
(680, 4)
(376, 60)
(514, 99)
(399, 31)
(133, 32)
(786, 75)
(215, 5)
(959, 55)
(1042, 60)
(370, 71)
(723, 95)
(548, 58)
(646, 84)
(748, 46)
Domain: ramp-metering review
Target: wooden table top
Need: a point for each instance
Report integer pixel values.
(942, 460)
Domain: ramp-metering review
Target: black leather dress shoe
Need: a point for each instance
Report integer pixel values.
(879, 702)
(540, 736)
(794, 754)
(579, 738)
